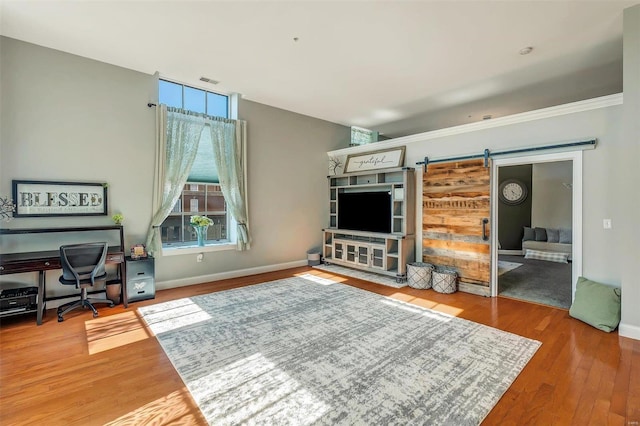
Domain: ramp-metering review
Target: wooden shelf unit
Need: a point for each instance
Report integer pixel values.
(382, 253)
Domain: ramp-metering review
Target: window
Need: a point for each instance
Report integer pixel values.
(360, 136)
(201, 195)
(192, 99)
(196, 199)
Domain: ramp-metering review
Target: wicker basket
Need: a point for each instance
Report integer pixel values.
(444, 280)
(419, 275)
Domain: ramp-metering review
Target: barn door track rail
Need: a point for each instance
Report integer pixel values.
(487, 154)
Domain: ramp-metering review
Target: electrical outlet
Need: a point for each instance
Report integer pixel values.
(199, 257)
(606, 223)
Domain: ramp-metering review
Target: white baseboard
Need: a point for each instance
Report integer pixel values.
(162, 285)
(53, 304)
(511, 252)
(630, 331)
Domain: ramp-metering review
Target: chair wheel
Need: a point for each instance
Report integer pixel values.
(95, 314)
(112, 305)
(60, 319)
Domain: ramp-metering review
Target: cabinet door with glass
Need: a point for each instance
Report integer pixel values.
(351, 252)
(378, 257)
(338, 250)
(363, 255)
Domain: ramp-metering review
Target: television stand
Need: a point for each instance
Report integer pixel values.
(385, 254)
(382, 253)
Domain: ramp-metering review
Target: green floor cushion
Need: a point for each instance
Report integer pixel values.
(596, 304)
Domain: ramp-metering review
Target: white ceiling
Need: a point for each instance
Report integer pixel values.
(398, 67)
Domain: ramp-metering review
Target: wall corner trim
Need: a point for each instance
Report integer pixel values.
(182, 282)
(538, 114)
(630, 331)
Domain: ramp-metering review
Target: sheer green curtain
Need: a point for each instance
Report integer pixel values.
(178, 135)
(229, 152)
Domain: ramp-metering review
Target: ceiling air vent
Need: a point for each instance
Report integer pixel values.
(208, 80)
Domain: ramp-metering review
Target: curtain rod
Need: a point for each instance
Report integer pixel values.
(198, 114)
(486, 154)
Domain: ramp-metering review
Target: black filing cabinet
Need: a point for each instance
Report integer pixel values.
(140, 279)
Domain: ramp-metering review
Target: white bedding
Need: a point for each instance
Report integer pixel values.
(545, 246)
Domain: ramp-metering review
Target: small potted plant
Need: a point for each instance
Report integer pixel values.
(117, 218)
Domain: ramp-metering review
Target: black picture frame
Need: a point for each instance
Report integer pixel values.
(37, 198)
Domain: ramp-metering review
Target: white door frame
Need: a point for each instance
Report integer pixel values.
(576, 255)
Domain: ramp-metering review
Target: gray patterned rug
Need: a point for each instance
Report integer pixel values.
(306, 350)
(356, 273)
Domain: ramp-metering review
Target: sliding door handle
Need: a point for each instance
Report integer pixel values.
(485, 237)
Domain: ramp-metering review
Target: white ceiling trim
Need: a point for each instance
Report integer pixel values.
(555, 111)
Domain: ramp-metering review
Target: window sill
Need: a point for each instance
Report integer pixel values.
(179, 250)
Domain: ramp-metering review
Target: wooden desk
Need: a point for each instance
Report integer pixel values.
(42, 261)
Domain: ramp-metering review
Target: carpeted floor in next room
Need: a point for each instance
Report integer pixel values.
(537, 281)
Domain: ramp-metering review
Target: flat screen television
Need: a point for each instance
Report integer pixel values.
(365, 211)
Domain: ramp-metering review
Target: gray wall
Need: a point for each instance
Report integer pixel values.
(551, 206)
(624, 176)
(69, 118)
(72, 119)
(513, 219)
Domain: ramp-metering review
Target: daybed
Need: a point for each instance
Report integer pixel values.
(547, 239)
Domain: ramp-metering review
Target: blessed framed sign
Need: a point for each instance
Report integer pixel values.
(375, 160)
(44, 198)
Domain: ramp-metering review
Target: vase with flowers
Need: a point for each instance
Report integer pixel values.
(200, 224)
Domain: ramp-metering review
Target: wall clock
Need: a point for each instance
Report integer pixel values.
(512, 192)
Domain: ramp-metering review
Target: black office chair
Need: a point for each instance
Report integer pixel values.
(82, 266)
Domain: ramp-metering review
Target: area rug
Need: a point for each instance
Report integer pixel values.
(363, 275)
(307, 350)
(504, 266)
(538, 281)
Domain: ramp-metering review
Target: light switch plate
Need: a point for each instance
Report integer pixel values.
(606, 223)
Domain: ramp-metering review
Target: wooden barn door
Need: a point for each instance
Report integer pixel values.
(455, 221)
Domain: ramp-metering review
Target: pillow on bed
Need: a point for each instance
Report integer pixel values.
(553, 235)
(551, 256)
(565, 236)
(529, 234)
(596, 304)
(541, 234)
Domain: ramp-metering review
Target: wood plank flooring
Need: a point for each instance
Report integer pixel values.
(111, 370)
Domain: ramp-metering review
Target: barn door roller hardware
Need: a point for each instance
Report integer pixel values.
(487, 154)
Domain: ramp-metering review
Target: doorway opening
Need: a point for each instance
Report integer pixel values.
(537, 213)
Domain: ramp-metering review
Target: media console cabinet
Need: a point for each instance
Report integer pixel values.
(379, 252)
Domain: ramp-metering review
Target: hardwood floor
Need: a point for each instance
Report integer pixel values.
(111, 370)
